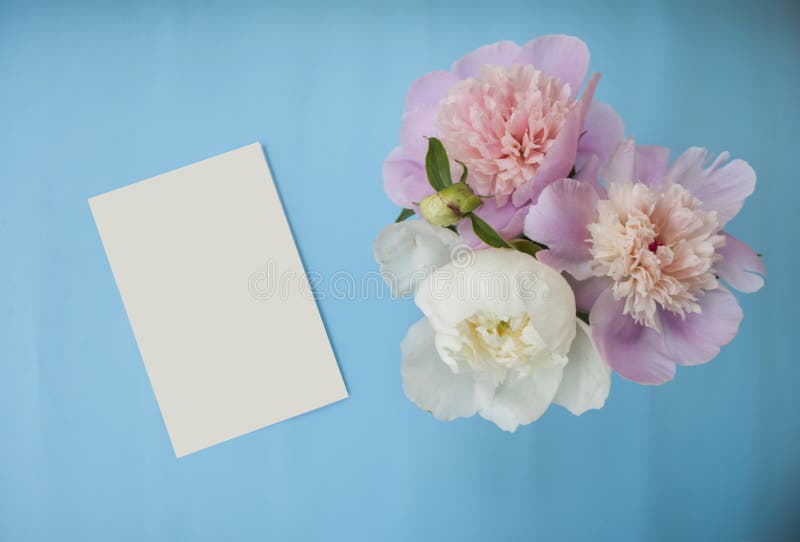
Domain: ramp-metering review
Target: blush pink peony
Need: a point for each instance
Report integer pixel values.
(645, 255)
(657, 246)
(503, 124)
(512, 114)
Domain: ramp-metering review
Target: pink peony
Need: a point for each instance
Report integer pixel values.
(644, 255)
(512, 115)
(503, 124)
(658, 247)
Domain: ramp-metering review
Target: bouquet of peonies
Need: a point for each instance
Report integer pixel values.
(549, 249)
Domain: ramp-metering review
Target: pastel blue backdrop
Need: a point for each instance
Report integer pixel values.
(96, 95)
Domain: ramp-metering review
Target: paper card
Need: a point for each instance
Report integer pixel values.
(223, 358)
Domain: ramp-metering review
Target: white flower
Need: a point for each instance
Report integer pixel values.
(408, 251)
(501, 340)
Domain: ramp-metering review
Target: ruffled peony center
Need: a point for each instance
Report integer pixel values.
(502, 125)
(657, 246)
(492, 343)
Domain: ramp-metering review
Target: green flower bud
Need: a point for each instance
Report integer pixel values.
(449, 205)
(436, 211)
(461, 196)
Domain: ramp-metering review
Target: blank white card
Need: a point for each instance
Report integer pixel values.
(210, 278)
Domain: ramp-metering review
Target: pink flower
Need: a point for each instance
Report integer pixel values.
(644, 255)
(503, 124)
(512, 115)
(657, 246)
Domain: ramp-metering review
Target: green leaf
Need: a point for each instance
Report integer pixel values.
(583, 316)
(405, 213)
(486, 233)
(526, 245)
(437, 165)
(464, 174)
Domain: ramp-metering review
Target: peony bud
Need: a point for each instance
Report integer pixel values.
(449, 205)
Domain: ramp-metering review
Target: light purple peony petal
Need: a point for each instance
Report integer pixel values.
(587, 98)
(429, 89)
(634, 351)
(698, 338)
(740, 266)
(506, 220)
(556, 165)
(415, 127)
(502, 53)
(621, 166)
(587, 291)
(602, 132)
(630, 162)
(589, 173)
(589, 170)
(558, 219)
(561, 156)
(722, 189)
(564, 57)
(404, 179)
(651, 164)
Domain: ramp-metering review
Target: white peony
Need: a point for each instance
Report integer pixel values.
(500, 339)
(408, 251)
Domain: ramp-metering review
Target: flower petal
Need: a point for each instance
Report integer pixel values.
(722, 189)
(521, 400)
(404, 179)
(559, 219)
(587, 378)
(502, 53)
(631, 162)
(602, 132)
(740, 265)
(556, 165)
(415, 126)
(506, 220)
(564, 57)
(502, 282)
(698, 337)
(429, 89)
(634, 351)
(409, 251)
(587, 291)
(621, 165)
(430, 384)
(560, 157)
(650, 164)
(589, 172)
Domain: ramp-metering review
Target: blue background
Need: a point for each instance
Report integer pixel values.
(95, 96)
